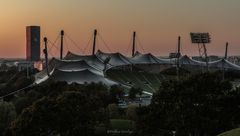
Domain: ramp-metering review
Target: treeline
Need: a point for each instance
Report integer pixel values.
(56, 108)
(11, 79)
(197, 105)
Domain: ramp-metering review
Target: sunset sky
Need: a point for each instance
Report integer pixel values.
(158, 23)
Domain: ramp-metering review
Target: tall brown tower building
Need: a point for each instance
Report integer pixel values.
(33, 43)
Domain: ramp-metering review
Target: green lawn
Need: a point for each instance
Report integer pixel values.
(116, 125)
(121, 124)
(234, 132)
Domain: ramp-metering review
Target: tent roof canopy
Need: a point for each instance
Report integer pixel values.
(116, 59)
(90, 68)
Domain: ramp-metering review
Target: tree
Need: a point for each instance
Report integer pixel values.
(13, 81)
(25, 100)
(7, 114)
(135, 91)
(113, 111)
(116, 93)
(131, 112)
(70, 113)
(195, 106)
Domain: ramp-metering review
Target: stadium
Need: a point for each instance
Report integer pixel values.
(141, 70)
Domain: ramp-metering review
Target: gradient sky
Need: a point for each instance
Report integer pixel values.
(158, 23)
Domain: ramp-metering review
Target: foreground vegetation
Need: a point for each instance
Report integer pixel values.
(12, 79)
(201, 105)
(196, 105)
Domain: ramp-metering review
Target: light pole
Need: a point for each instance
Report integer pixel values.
(202, 38)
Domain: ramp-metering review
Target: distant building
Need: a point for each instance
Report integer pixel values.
(174, 55)
(33, 43)
(210, 58)
(234, 59)
(20, 64)
(25, 65)
(214, 58)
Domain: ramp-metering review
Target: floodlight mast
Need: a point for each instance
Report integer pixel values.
(202, 38)
(206, 56)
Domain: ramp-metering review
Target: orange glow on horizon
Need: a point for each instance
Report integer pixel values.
(157, 23)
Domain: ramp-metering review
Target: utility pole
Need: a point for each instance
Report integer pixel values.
(61, 51)
(133, 46)
(45, 51)
(94, 41)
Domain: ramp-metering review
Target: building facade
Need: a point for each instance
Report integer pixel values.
(33, 43)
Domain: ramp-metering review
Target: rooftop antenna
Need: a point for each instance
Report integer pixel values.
(226, 51)
(61, 51)
(94, 41)
(133, 47)
(45, 51)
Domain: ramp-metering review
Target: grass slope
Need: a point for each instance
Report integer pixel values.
(234, 132)
(147, 81)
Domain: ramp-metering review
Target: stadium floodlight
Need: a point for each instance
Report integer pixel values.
(201, 38)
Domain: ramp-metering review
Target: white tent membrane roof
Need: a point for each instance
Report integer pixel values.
(80, 77)
(185, 60)
(89, 68)
(92, 60)
(116, 59)
(223, 63)
(146, 59)
(76, 65)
